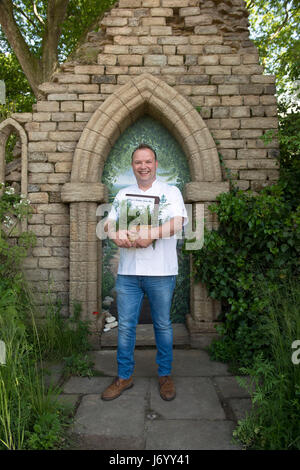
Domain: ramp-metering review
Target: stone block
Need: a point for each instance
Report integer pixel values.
(79, 88)
(37, 136)
(229, 123)
(70, 78)
(125, 60)
(150, 3)
(60, 230)
(218, 70)
(83, 117)
(125, 30)
(193, 80)
(47, 106)
(41, 251)
(130, 3)
(36, 274)
(126, 41)
(160, 30)
(174, 40)
(40, 167)
(107, 59)
(189, 11)
(174, 3)
(59, 178)
(157, 59)
(206, 29)
(53, 262)
(208, 60)
(114, 21)
(230, 60)
(239, 111)
(251, 89)
(56, 219)
(253, 174)
(71, 106)
(217, 49)
(175, 60)
(39, 230)
(38, 198)
(191, 21)
(154, 21)
(41, 117)
(228, 89)
(161, 12)
(260, 123)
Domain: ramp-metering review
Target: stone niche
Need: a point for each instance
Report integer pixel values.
(189, 64)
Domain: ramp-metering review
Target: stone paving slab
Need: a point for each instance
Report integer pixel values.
(195, 399)
(85, 385)
(186, 363)
(203, 415)
(190, 435)
(116, 424)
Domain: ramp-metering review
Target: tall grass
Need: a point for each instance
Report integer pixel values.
(274, 422)
(30, 415)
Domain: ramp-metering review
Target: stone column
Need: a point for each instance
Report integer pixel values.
(85, 247)
(202, 320)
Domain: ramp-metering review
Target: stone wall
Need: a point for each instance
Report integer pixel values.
(202, 50)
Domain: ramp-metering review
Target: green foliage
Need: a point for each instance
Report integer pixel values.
(48, 431)
(273, 423)
(19, 96)
(13, 207)
(274, 25)
(258, 238)
(59, 337)
(78, 364)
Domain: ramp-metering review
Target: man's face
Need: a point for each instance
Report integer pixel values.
(144, 167)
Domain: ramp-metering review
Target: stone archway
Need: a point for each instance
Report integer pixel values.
(7, 127)
(145, 94)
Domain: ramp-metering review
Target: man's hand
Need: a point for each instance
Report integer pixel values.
(120, 238)
(144, 239)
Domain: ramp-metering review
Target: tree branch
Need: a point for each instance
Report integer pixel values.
(285, 21)
(37, 13)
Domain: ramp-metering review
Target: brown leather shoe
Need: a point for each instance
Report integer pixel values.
(166, 388)
(116, 388)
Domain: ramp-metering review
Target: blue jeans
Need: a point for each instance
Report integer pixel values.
(130, 294)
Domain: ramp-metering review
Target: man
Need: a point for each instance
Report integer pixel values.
(146, 269)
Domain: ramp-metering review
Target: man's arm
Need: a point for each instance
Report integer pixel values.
(166, 230)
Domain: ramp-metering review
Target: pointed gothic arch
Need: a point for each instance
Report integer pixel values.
(8, 127)
(142, 95)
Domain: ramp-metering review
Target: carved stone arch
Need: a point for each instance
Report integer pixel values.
(145, 95)
(7, 127)
(142, 95)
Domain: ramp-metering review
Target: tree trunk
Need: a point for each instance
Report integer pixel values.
(37, 70)
(56, 14)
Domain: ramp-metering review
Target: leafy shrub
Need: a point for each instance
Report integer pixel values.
(257, 239)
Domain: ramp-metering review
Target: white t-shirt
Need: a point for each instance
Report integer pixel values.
(160, 260)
